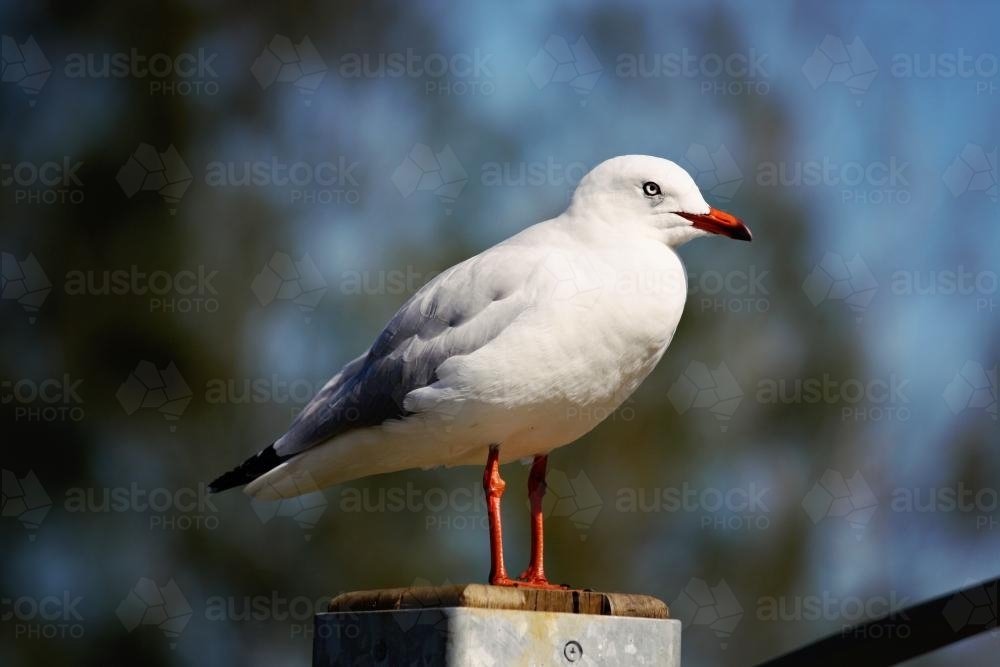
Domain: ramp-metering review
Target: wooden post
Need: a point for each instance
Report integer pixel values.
(475, 624)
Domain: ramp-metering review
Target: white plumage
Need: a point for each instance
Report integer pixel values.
(528, 345)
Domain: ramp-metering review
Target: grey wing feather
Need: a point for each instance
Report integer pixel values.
(458, 312)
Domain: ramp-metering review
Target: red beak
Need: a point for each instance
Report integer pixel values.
(719, 222)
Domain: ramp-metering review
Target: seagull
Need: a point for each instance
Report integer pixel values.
(512, 353)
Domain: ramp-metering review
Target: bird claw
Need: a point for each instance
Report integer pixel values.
(542, 584)
(528, 580)
(502, 581)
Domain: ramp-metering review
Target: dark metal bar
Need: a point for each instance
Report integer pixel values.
(904, 634)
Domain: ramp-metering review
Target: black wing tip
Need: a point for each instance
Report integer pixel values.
(262, 462)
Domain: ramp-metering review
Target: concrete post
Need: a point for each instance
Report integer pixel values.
(487, 625)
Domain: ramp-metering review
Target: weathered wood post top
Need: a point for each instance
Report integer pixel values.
(476, 624)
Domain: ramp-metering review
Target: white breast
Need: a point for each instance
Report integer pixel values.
(603, 335)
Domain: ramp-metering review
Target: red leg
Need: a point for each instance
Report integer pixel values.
(534, 576)
(493, 487)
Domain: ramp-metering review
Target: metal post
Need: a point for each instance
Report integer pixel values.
(487, 625)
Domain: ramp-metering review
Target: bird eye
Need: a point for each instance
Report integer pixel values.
(651, 189)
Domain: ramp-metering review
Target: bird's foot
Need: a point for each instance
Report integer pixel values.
(502, 581)
(540, 584)
(534, 579)
(527, 580)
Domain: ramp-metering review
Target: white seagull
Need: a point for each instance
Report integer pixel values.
(510, 354)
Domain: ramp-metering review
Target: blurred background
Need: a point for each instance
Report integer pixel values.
(208, 209)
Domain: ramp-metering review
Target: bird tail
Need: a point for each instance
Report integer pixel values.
(262, 462)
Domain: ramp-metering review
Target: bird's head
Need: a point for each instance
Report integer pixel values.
(656, 196)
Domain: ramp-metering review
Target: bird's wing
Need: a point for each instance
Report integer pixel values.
(457, 313)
